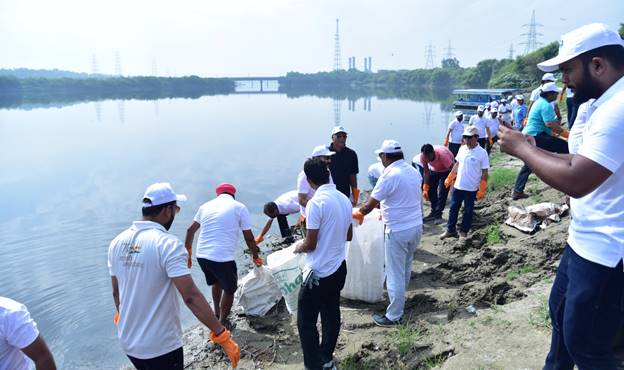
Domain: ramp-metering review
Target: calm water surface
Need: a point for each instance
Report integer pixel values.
(73, 178)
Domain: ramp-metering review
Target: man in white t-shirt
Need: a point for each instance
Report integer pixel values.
(284, 205)
(586, 298)
(398, 191)
(480, 121)
(20, 341)
(535, 94)
(304, 190)
(491, 129)
(453, 137)
(374, 172)
(329, 228)
(220, 221)
(469, 180)
(147, 265)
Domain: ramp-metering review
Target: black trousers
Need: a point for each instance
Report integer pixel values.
(546, 142)
(454, 148)
(282, 221)
(438, 192)
(323, 299)
(173, 360)
(482, 142)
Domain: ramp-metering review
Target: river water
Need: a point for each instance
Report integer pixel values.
(73, 177)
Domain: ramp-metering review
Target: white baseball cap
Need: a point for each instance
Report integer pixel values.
(321, 150)
(160, 193)
(487, 105)
(470, 131)
(494, 110)
(459, 113)
(549, 77)
(389, 146)
(550, 87)
(579, 41)
(494, 104)
(519, 97)
(338, 129)
(480, 108)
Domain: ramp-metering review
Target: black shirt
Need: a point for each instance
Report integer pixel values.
(343, 164)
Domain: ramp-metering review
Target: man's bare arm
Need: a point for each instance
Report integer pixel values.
(196, 302)
(39, 352)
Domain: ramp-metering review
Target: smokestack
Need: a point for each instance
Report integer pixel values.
(370, 64)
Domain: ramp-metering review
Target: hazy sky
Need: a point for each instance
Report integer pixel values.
(272, 37)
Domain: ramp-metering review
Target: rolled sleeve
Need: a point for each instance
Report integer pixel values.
(313, 215)
(603, 143)
(174, 257)
(245, 219)
(21, 330)
(382, 188)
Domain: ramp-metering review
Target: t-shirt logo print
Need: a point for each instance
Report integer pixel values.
(135, 249)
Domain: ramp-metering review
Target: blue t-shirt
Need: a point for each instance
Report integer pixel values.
(541, 112)
(519, 115)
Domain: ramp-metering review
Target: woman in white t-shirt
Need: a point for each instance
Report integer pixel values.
(453, 138)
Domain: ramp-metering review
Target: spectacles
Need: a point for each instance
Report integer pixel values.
(467, 137)
(176, 208)
(341, 134)
(381, 155)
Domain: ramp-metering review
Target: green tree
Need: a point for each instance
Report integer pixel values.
(451, 63)
(621, 31)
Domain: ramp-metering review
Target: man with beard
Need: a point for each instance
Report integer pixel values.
(544, 127)
(344, 165)
(221, 220)
(147, 265)
(585, 303)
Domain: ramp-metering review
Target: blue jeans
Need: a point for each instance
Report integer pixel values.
(399, 253)
(457, 197)
(587, 312)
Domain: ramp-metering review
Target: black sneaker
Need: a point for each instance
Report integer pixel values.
(329, 365)
(382, 320)
(429, 217)
(519, 195)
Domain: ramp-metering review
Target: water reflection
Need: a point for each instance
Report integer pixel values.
(70, 187)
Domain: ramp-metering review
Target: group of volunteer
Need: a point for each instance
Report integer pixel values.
(149, 266)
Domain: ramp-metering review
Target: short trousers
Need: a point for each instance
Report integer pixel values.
(224, 273)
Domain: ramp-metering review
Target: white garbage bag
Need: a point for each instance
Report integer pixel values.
(257, 292)
(286, 268)
(365, 261)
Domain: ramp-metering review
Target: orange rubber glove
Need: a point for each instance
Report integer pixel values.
(116, 318)
(356, 194)
(258, 261)
(425, 191)
(231, 348)
(450, 179)
(189, 261)
(259, 239)
(482, 189)
(565, 133)
(491, 141)
(358, 216)
(446, 141)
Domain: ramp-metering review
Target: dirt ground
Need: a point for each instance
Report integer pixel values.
(479, 303)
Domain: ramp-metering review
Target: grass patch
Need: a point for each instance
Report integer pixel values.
(405, 336)
(493, 234)
(514, 274)
(497, 158)
(353, 363)
(501, 177)
(540, 317)
(433, 362)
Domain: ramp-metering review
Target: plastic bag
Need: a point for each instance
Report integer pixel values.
(365, 261)
(286, 268)
(258, 292)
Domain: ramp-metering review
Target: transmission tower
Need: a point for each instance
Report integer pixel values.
(337, 65)
(511, 51)
(337, 111)
(449, 52)
(94, 65)
(531, 42)
(429, 56)
(118, 71)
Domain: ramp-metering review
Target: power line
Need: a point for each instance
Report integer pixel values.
(337, 64)
(429, 56)
(531, 43)
(449, 52)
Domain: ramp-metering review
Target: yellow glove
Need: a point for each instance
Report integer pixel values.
(491, 141)
(358, 216)
(565, 133)
(446, 141)
(259, 239)
(116, 318)
(189, 261)
(356, 195)
(450, 179)
(231, 348)
(425, 191)
(482, 189)
(258, 261)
